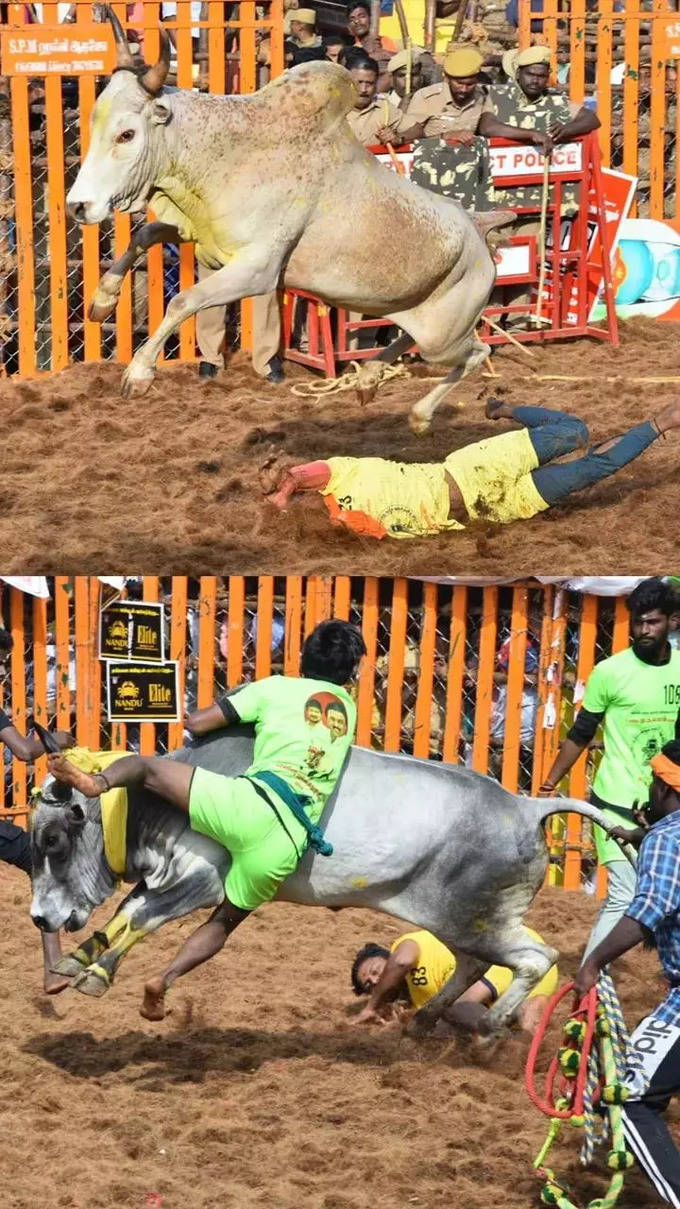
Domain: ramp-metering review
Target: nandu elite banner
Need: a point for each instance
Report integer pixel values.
(130, 629)
(136, 692)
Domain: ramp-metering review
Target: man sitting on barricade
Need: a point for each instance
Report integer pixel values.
(451, 159)
(502, 479)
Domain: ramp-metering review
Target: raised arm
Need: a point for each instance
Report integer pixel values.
(202, 721)
(23, 748)
(404, 957)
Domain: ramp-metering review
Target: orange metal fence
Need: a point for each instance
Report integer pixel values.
(486, 676)
(50, 264)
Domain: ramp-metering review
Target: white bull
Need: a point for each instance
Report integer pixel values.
(274, 189)
(434, 844)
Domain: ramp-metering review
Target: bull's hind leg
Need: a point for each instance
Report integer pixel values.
(529, 960)
(371, 372)
(107, 293)
(422, 412)
(468, 970)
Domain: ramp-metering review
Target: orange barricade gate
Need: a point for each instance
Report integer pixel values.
(487, 676)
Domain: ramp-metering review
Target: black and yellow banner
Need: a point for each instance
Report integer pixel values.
(132, 629)
(140, 693)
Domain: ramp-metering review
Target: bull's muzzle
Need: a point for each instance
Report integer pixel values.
(40, 922)
(78, 210)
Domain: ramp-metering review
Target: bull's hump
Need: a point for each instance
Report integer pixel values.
(309, 91)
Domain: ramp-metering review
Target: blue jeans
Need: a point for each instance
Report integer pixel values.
(554, 433)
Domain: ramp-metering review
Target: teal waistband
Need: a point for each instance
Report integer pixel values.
(296, 805)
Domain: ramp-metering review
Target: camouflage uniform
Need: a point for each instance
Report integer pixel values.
(463, 173)
(509, 105)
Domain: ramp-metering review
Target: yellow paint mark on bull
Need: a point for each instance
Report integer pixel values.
(359, 883)
(102, 111)
(480, 925)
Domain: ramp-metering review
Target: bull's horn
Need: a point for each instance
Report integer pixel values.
(48, 740)
(124, 56)
(154, 77)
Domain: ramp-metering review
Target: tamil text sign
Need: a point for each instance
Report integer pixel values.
(68, 50)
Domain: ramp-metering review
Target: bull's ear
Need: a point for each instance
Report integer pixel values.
(160, 111)
(75, 814)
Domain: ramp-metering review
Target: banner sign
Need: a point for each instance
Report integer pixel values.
(68, 50)
(669, 39)
(527, 160)
(136, 692)
(131, 629)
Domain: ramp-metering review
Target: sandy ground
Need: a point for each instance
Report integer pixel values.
(91, 482)
(256, 1091)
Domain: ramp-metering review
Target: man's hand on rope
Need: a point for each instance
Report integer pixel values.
(586, 978)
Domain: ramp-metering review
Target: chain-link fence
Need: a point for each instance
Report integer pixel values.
(487, 677)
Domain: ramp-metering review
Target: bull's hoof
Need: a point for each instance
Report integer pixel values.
(68, 965)
(419, 1026)
(136, 382)
(369, 376)
(419, 425)
(99, 311)
(94, 981)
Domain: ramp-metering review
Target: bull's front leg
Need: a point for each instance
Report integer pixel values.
(107, 293)
(468, 970)
(246, 274)
(73, 963)
(143, 913)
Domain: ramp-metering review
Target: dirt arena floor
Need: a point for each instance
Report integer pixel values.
(257, 1091)
(92, 482)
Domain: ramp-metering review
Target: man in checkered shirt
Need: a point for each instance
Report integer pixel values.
(653, 1074)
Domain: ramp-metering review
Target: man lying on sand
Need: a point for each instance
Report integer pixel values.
(418, 965)
(504, 478)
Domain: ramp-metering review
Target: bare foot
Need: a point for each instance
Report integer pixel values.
(153, 1003)
(63, 770)
(272, 471)
(54, 983)
(495, 408)
(668, 418)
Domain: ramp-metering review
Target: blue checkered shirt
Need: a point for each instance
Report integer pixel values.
(656, 904)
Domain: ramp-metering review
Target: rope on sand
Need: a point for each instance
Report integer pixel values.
(350, 380)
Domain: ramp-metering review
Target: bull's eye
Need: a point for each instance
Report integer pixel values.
(125, 136)
(51, 841)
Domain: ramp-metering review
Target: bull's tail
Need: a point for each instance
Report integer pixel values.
(547, 806)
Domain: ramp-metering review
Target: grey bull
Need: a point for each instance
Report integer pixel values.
(434, 844)
(275, 190)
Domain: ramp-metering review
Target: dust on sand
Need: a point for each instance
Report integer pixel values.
(256, 1091)
(92, 482)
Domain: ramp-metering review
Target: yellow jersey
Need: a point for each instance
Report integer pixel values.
(436, 964)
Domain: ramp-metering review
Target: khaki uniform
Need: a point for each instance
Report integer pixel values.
(266, 329)
(365, 123)
(463, 173)
(437, 113)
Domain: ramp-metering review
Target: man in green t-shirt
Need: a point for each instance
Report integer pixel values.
(636, 694)
(304, 727)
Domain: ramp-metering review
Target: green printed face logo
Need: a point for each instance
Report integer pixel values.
(646, 745)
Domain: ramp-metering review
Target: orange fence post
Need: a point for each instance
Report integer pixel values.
(147, 730)
(23, 214)
(631, 87)
(485, 671)
(83, 655)
(428, 640)
(178, 649)
(519, 626)
(573, 856)
(343, 590)
(369, 627)
(265, 615)
(40, 677)
(621, 629)
(207, 604)
(292, 643)
(456, 675)
(62, 641)
(577, 50)
(235, 631)
(18, 672)
(57, 219)
(604, 69)
(395, 666)
(657, 112)
(92, 343)
(540, 769)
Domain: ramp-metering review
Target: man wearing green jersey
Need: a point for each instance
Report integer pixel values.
(267, 817)
(636, 694)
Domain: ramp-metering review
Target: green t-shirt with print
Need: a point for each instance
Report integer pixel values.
(303, 731)
(640, 702)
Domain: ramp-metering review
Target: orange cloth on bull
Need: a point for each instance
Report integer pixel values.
(667, 770)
